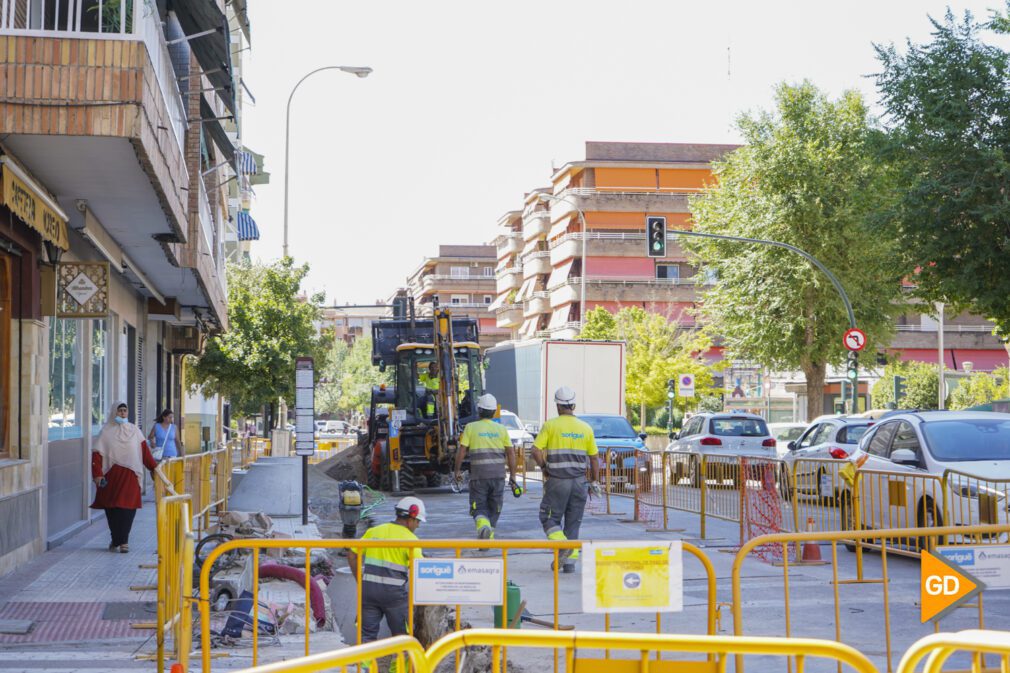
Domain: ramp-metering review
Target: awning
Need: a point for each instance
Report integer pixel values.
(560, 275)
(31, 203)
(560, 317)
(526, 289)
(529, 327)
(259, 176)
(503, 263)
(498, 302)
(559, 228)
(212, 50)
(247, 163)
(247, 229)
(981, 359)
(531, 246)
(216, 130)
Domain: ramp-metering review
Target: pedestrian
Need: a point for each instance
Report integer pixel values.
(163, 437)
(563, 449)
(385, 572)
(117, 466)
(490, 448)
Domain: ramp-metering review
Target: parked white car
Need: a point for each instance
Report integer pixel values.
(785, 433)
(827, 438)
(975, 445)
(726, 434)
(521, 439)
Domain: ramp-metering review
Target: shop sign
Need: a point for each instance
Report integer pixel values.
(29, 202)
(82, 290)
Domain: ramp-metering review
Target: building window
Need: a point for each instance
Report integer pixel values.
(488, 271)
(459, 271)
(64, 366)
(101, 373)
(670, 271)
(459, 299)
(488, 299)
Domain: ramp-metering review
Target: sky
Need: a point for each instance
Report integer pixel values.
(471, 104)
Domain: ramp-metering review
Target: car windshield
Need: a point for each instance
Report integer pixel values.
(789, 434)
(615, 427)
(511, 422)
(853, 433)
(739, 427)
(973, 439)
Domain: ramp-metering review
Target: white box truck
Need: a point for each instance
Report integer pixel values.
(524, 375)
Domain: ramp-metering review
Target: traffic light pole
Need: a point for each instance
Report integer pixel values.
(854, 358)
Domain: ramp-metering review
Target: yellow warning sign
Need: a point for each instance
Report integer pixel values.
(632, 577)
(943, 586)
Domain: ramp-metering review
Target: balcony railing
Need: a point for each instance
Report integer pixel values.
(207, 221)
(505, 308)
(535, 215)
(651, 191)
(599, 236)
(547, 333)
(507, 271)
(467, 304)
(439, 276)
(538, 254)
(102, 20)
(946, 328)
(693, 280)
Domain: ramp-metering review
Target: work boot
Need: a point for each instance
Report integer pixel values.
(563, 557)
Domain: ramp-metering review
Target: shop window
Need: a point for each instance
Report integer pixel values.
(101, 373)
(6, 306)
(64, 378)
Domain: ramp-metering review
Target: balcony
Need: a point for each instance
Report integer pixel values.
(511, 244)
(569, 330)
(536, 263)
(508, 271)
(509, 315)
(434, 283)
(660, 290)
(602, 244)
(536, 224)
(970, 336)
(510, 281)
(537, 304)
(598, 200)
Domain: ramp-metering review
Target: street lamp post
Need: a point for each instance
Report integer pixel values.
(810, 258)
(353, 70)
(585, 234)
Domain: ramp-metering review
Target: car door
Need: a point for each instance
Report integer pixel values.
(690, 442)
(878, 450)
(904, 494)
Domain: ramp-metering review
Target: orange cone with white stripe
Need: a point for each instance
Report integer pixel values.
(811, 549)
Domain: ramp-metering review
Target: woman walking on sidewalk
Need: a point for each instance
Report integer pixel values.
(163, 434)
(117, 466)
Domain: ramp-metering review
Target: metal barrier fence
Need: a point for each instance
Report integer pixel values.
(885, 499)
(455, 547)
(206, 478)
(972, 500)
(883, 540)
(648, 650)
(174, 616)
(941, 646)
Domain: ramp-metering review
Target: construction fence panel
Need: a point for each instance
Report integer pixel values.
(972, 500)
(816, 492)
(938, 648)
(174, 625)
(836, 598)
(882, 499)
(432, 549)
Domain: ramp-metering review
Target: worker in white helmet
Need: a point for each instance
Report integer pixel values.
(564, 449)
(385, 572)
(490, 449)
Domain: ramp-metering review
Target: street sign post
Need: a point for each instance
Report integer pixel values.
(305, 430)
(685, 385)
(854, 339)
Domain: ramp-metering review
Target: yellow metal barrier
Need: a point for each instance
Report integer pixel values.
(575, 643)
(206, 478)
(175, 575)
(815, 494)
(941, 646)
(889, 500)
(456, 546)
(972, 500)
(882, 539)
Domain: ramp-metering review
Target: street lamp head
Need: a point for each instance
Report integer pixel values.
(543, 196)
(355, 70)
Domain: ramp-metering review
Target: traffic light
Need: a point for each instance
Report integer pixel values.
(899, 388)
(655, 236)
(670, 388)
(852, 371)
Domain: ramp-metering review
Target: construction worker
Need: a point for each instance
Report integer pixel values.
(563, 449)
(489, 447)
(430, 382)
(386, 571)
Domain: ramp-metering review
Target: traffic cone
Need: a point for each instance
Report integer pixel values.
(811, 550)
(177, 668)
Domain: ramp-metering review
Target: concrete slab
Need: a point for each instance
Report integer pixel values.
(281, 478)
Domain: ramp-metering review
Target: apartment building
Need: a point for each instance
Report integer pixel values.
(576, 266)
(462, 278)
(349, 323)
(113, 210)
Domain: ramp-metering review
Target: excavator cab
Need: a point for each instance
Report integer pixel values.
(419, 382)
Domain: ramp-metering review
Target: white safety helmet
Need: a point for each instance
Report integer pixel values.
(411, 508)
(565, 396)
(487, 402)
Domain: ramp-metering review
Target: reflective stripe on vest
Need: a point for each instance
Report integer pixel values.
(566, 463)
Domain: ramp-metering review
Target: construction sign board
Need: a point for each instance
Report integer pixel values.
(632, 577)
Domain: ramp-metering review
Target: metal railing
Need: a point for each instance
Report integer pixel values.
(946, 328)
(644, 190)
(174, 615)
(938, 648)
(452, 549)
(206, 478)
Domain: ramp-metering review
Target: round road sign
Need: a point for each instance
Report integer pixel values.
(854, 339)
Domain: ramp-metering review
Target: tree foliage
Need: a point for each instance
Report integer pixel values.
(947, 108)
(807, 177)
(981, 388)
(330, 387)
(922, 381)
(358, 377)
(657, 350)
(269, 325)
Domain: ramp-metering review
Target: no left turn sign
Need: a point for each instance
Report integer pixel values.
(855, 339)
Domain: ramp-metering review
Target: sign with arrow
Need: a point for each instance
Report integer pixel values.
(943, 586)
(854, 339)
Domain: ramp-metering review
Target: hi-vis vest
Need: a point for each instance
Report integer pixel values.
(389, 566)
(486, 441)
(567, 444)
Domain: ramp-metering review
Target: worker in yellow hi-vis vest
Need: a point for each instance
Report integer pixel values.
(385, 573)
(429, 380)
(490, 448)
(563, 449)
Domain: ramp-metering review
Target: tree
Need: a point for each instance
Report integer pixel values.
(922, 382)
(330, 388)
(359, 375)
(269, 325)
(807, 177)
(947, 109)
(981, 388)
(657, 350)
